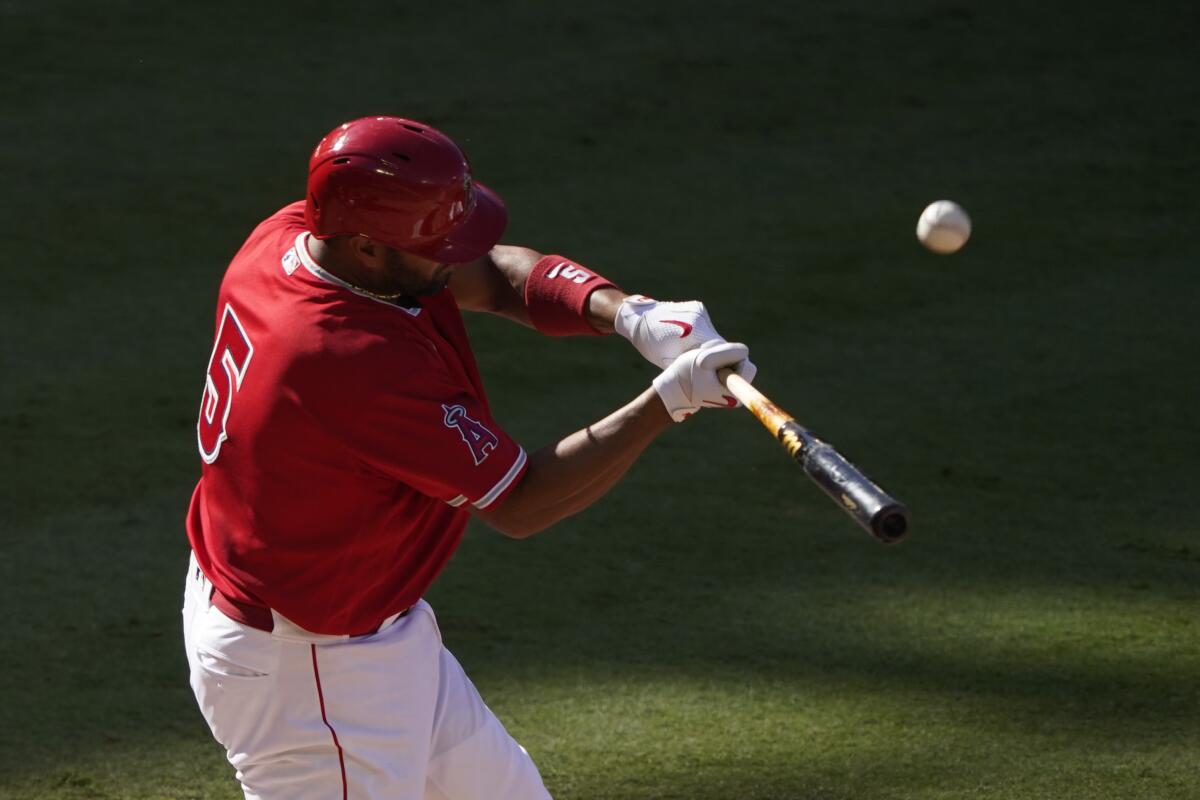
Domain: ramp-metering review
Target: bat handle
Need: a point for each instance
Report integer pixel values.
(769, 414)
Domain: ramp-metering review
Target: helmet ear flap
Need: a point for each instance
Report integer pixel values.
(404, 184)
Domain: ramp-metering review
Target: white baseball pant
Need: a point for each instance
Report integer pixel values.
(391, 715)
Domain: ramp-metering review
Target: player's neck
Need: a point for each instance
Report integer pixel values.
(349, 270)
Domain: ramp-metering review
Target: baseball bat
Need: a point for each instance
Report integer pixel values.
(872, 508)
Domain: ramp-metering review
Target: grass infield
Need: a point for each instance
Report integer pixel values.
(715, 628)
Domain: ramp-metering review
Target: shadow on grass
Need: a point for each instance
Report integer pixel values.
(1091, 635)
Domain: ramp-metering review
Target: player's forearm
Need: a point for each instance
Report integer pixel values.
(514, 264)
(568, 476)
(599, 486)
(483, 285)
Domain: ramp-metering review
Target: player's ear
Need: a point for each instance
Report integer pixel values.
(367, 250)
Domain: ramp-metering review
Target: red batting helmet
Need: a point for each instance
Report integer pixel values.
(404, 184)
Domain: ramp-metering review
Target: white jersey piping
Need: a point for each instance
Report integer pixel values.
(503, 483)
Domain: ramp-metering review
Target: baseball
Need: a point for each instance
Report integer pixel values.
(944, 227)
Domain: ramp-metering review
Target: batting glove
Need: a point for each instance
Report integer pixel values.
(663, 331)
(691, 383)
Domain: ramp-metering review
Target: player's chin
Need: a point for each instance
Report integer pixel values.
(439, 281)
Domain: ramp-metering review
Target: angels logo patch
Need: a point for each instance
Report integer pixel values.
(478, 438)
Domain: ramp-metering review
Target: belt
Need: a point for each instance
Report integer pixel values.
(261, 618)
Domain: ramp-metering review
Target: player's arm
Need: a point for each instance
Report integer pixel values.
(569, 475)
(496, 284)
(558, 297)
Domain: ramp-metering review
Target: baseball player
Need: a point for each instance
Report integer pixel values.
(346, 439)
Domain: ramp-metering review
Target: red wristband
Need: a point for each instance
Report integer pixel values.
(556, 293)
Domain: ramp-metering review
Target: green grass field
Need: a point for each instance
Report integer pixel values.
(715, 628)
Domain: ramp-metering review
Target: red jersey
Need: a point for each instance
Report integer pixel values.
(342, 438)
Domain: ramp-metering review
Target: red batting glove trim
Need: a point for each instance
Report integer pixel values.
(556, 294)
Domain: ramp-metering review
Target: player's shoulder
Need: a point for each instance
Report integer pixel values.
(289, 216)
(272, 237)
(279, 229)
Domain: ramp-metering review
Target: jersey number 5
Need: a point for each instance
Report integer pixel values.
(226, 369)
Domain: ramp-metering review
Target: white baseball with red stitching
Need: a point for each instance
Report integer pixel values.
(663, 331)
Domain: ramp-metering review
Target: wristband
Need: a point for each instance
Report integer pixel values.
(556, 294)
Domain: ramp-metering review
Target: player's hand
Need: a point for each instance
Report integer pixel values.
(663, 330)
(691, 383)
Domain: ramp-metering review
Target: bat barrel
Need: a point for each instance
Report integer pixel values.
(890, 523)
(872, 508)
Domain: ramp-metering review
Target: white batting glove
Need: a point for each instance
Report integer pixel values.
(662, 331)
(691, 383)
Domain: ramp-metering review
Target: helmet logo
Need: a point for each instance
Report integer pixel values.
(469, 188)
(458, 208)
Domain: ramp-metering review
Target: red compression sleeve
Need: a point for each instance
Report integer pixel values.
(556, 293)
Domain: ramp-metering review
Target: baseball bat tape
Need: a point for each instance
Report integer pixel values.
(871, 507)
